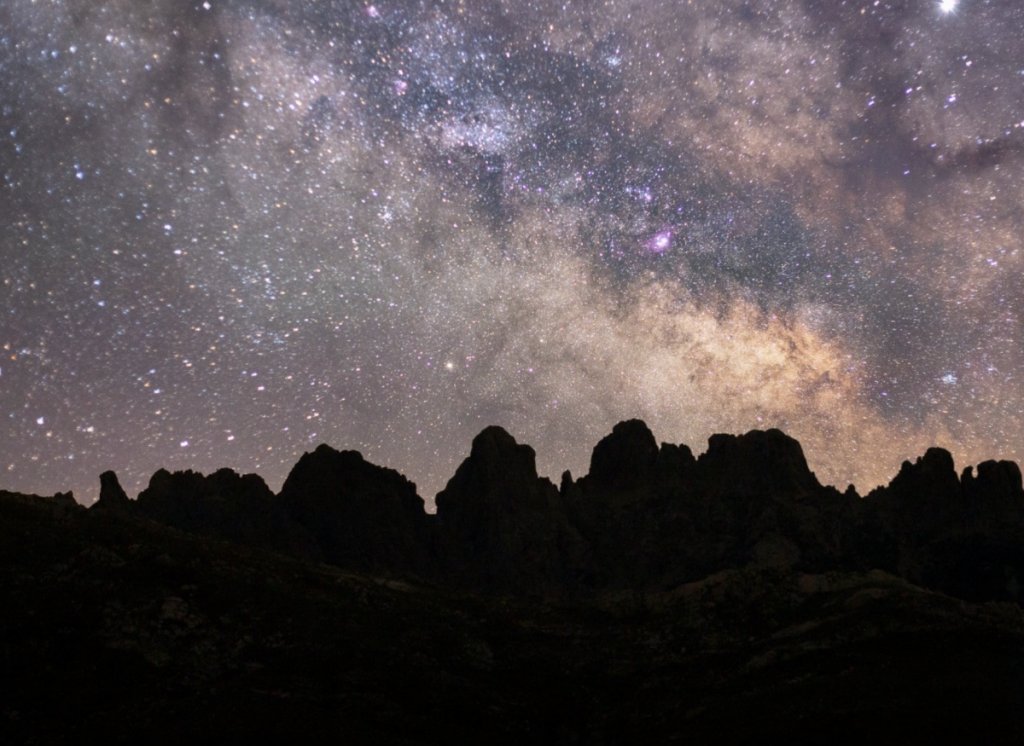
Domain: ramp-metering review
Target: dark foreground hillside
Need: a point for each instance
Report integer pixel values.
(662, 598)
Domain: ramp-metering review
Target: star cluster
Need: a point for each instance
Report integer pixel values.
(233, 229)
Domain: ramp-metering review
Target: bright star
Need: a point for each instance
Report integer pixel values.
(948, 6)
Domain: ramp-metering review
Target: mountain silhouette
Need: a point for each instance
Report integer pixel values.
(644, 517)
(661, 597)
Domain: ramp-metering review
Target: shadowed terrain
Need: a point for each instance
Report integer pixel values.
(724, 598)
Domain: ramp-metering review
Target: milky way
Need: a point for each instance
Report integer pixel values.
(233, 230)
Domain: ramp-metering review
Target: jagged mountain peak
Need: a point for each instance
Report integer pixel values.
(644, 516)
(497, 468)
(495, 450)
(759, 461)
(931, 476)
(624, 457)
(999, 479)
(112, 494)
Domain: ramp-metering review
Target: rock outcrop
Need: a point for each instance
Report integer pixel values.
(225, 504)
(759, 463)
(625, 458)
(729, 598)
(960, 535)
(112, 495)
(644, 516)
(500, 525)
(998, 481)
(359, 515)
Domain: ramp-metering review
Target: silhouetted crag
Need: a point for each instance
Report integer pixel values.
(627, 508)
(962, 536)
(501, 526)
(628, 458)
(334, 507)
(112, 495)
(661, 598)
(673, 518)
(646, 516)
(223, 504)
(359, 515)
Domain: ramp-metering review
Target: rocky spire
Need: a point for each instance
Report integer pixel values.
(625, 457)
(112, 495)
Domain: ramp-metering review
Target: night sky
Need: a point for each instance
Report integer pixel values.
(232, 230)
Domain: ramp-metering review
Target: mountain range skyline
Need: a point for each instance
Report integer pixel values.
(668, 599)
(111, 475)
(664, 597)
(644, 516)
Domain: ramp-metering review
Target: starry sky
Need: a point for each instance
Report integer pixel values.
(231, 230)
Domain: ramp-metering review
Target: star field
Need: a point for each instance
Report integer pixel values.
(231, 230)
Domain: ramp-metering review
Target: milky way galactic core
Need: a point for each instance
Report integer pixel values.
(231, 230)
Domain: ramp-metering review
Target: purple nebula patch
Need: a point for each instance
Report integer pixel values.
(660, 242)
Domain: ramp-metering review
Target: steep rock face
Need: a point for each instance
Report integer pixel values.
(998, 481)
(112, 495)
(629, 458)
(757, 495)
(225, 505)
(761, 462)
(931, 478)
(624, 458)
(644, 517)
(198, 498)
(962, 536)
(921, 501)
(660, 517)
(501, 525)
(65, 499)
(360, 515)
(630, 510)
(675, 463)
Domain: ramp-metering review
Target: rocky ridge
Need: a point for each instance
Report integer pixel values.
(728, 598)
(645, 516)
